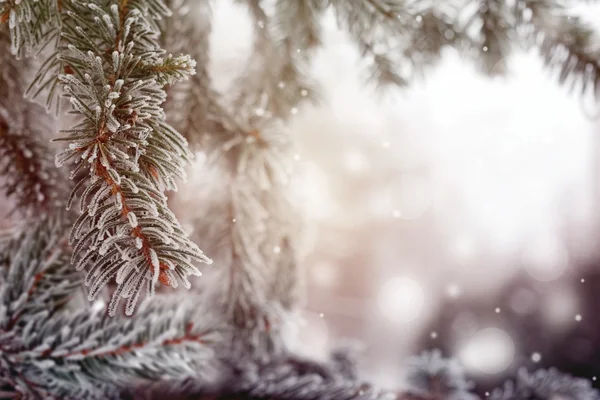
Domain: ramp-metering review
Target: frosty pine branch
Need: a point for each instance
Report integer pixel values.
(195, 107)
(545, 384)
(430, 374)
(26, 166)
(277, 79)
(245, 222)
(242, 232)
(48, 350)
(114, 71)
(125, 226)
(29, 22)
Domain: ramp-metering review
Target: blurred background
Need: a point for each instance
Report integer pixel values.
(461, 213)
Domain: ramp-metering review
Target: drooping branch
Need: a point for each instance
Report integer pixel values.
(31, 23)
(240, 229)
(26, 165)
(245, 214)
(48, 350)
(545, 384)
(115, 73)
(374, 27)
(566, 43)
(276, 80)
(194, 106)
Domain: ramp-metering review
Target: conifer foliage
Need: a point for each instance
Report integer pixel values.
(545, 384)
(30, 178)
(108, 63)
(126, 230)
(113, 72)
(49, 350)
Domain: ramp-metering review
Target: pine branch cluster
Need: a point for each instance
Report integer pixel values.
(26, 166)
(49, 350)
(126, 229)
(136, 116)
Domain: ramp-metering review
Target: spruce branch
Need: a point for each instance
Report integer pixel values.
(398, 40)
(431, 376)
(26, 166)
(258, 148)
(284, 378)
(47, 351)
(286, 284)
(30, 22)
(33, 24)
(374, 25)
(343, 360)
(126, 231)
(247, 235)
(434, 378)
(35, 278)
(566, 44)
(393, 35)
(114, 74)
(256, 237)
(29, 175)
(545, 384)
(284, 226)
(434, 28)
(193, 107)
(277, 80)
(242, 225)
(491, 31)
(244, 236)
(250, 236)
(98, 350)
(299, 21)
